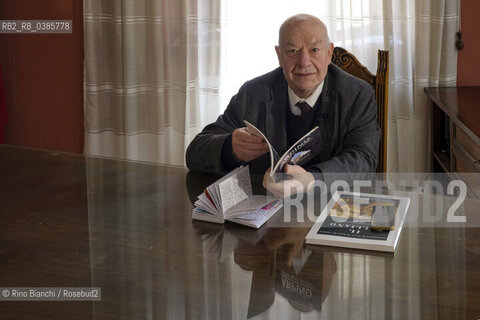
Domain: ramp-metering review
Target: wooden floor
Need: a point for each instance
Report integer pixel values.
(73, 221)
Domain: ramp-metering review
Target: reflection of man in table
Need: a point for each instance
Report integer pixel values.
(306, 91)
(281, 264)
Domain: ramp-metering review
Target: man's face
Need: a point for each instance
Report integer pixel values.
(304, 54)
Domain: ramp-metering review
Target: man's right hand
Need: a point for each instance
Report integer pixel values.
(246, 146)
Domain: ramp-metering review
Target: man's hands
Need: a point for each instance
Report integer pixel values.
(300, 180)
(246, 146)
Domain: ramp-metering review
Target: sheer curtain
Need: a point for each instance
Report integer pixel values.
(420, 36)
(151, 76)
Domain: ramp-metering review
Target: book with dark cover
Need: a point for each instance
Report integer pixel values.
(346, 221)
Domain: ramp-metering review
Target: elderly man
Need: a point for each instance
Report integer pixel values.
(286, 103)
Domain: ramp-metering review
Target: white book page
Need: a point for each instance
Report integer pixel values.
(249, 205)
(206, 205)
(235, 189)
(259, 217)
(258, 214)
(214, 194)
(200, 214)
(214, 191)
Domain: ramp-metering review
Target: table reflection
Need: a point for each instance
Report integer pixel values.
(282, 266)
(126, 227)
(153, 261)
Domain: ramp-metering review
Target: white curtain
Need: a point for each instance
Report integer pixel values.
(421, 38)
(151, 76)
(157, 71)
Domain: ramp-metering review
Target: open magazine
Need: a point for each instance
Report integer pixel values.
(230, 198)
(346, 221)
(298, 154)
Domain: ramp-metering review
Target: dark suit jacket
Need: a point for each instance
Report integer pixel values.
(347, 119)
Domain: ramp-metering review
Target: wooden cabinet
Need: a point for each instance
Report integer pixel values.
(455, 125)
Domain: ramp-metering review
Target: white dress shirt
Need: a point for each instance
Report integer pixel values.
(311, 99)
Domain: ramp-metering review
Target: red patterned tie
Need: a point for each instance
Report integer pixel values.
(304, 107)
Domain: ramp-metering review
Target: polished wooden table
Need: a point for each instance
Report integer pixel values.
(75, 221)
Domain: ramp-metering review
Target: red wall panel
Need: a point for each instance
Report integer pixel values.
(43, 75)
(468, 67)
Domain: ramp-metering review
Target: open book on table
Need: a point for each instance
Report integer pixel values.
(230, 198)
(346, 221)
(298, 154)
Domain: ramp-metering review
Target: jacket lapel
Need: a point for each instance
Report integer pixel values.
(276, 122)
(327, 117)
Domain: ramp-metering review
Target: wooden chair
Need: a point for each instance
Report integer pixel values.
(379, 82)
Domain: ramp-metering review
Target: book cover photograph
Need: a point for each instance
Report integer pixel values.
(299, 153)
(360, 221)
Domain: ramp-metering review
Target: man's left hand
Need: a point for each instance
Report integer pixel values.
(300, 180)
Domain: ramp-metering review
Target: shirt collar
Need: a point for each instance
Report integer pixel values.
(311, 100)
